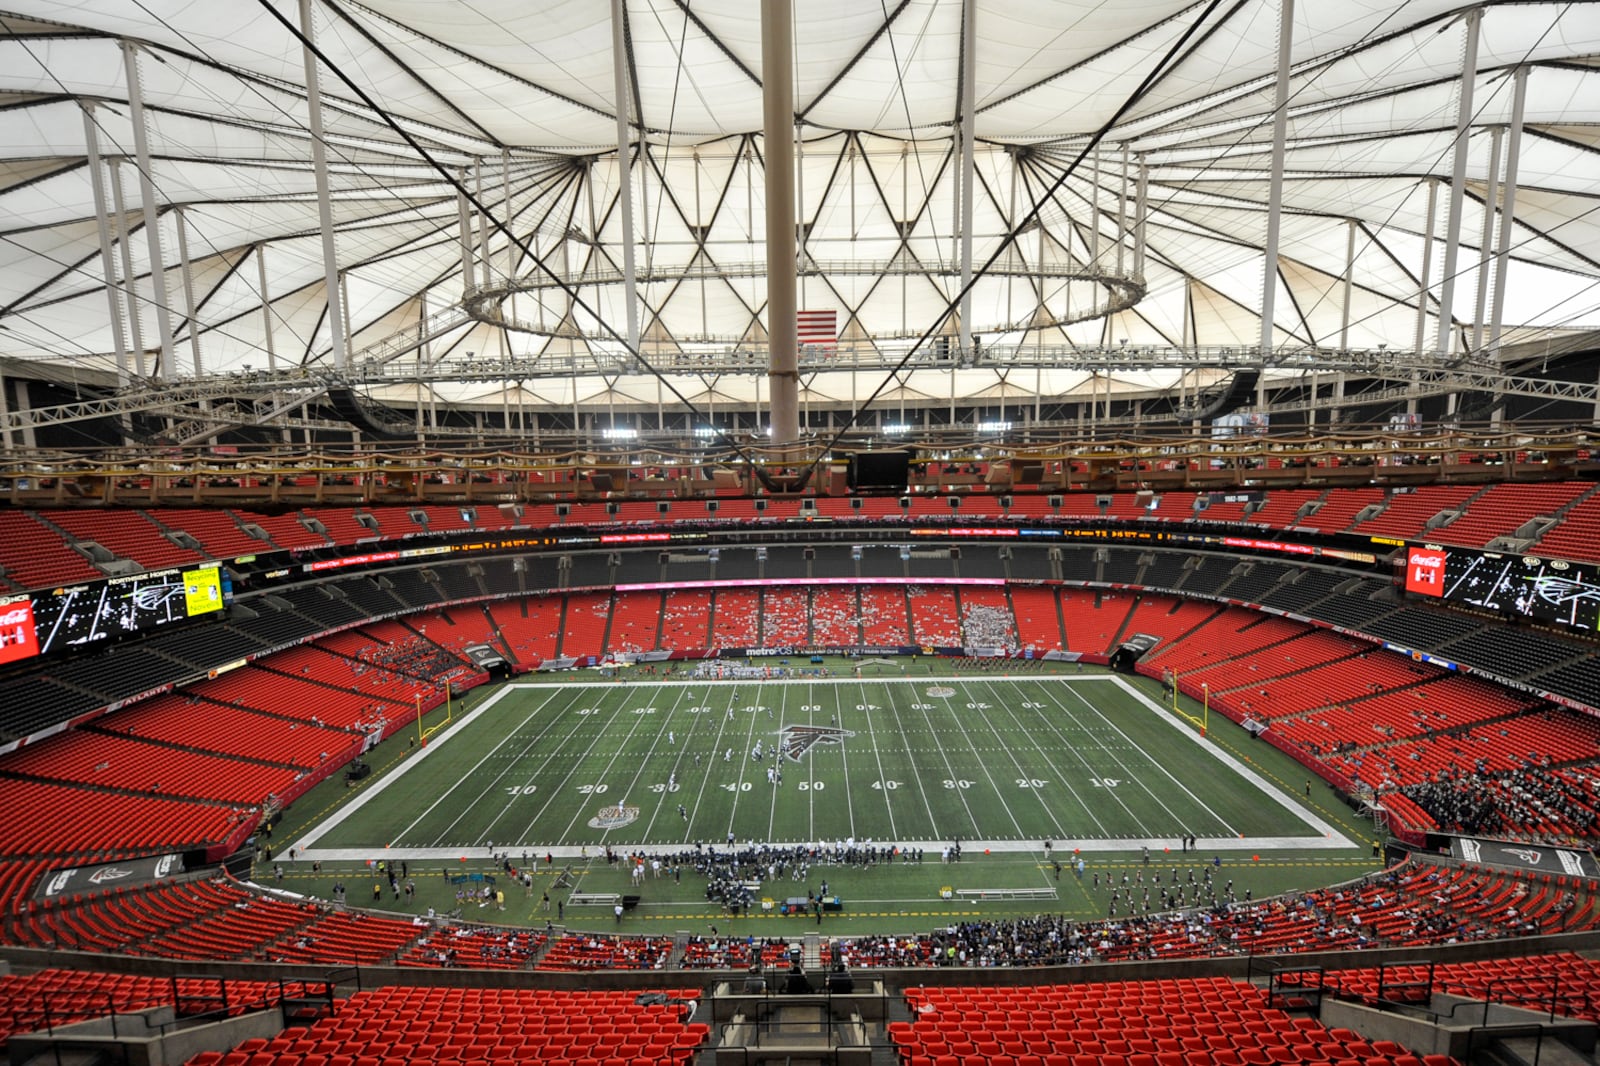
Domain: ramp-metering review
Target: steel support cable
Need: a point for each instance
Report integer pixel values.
(504, 230)
(1159, 71)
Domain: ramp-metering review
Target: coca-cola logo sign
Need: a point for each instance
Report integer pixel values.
(18, 639)
(1425, 571)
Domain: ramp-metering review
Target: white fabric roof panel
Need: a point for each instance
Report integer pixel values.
(1374, 91)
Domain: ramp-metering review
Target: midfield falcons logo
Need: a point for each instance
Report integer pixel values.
(795, 740)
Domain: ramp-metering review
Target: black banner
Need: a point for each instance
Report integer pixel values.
(83, 880)
(1536, 858)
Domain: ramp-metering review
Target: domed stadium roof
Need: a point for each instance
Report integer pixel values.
(1130, 143)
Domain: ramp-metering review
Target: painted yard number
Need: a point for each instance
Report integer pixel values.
(963, 783)
(658, 789)
(742, 786)
(1030, 782)
(522, 790)
(593, 790)
(1105, 782)
(886, 786)
(810, 786)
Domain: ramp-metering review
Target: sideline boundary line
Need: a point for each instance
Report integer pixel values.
(1333, 837)
(370, 794)
(1331, 840)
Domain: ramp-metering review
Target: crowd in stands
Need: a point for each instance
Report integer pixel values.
(1411, 904)
(1521, 802)
(414, 657)
(599, 951)
(731, 871)
(987, 626)
(835, 617)
(476, 948)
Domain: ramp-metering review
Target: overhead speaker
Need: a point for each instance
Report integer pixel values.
(879, 470)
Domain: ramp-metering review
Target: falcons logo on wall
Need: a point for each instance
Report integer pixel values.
(795, 740)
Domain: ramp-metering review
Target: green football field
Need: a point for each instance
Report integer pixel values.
(550, 774)
(998, 763)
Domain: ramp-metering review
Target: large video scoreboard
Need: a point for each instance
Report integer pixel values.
(1549, 590)
(46, 622)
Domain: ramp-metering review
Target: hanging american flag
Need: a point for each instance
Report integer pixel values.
(817, 329)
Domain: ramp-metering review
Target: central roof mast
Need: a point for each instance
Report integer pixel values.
(778, 127)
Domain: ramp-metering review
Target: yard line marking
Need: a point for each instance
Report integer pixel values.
(873, 736)
(1159, 769)
(844, 770)
(705, 779)
(645, 762)
(1278, 796)
(489, 831)
(911, 764)
(494, 782)
(983, 764)
(616, 754)
(553, 792)
(811, 796)
(960, 793)
(1077, 752)
(777, 764)
(372, 792)
(744, 757)
(1044, 803)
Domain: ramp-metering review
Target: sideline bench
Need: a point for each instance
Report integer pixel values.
(608, 899)
(1006, 893)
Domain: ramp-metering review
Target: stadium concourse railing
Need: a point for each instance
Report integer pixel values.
(1242, 966)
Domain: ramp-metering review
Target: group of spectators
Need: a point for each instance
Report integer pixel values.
(985, 625)
(1414, 898)
(1530, 802)
(492, 948)
(414, 656)
(735, 872)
